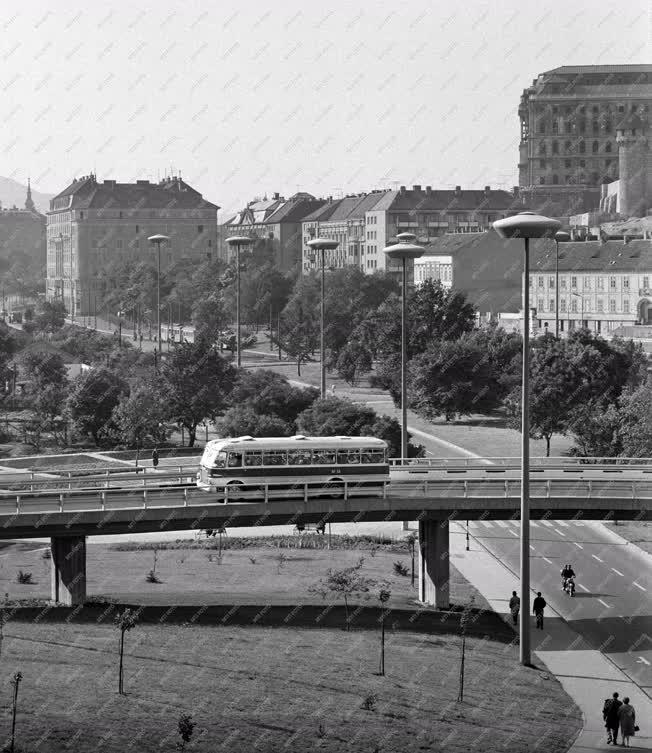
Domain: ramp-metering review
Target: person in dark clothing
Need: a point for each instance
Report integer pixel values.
(155, 457)
(610, 716)
(538, 606)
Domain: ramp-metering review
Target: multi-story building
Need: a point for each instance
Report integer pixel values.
(277, 222)
(22, 232)
(91, 223)
(569, 121)
(365, 224)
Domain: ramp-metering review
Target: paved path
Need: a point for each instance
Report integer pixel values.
(588, 675)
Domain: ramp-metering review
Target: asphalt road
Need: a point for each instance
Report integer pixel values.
(612, 607)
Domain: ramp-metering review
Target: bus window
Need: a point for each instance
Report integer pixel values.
(274, 457)
(373, 456)
(220, 460)
(235, 460)
(299, 457)
(324, 457)
(348, 456)
(252, 458)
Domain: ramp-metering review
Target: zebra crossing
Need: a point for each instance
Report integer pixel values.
(533, 523)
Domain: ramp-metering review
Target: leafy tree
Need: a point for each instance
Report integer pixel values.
(44, 369)
(197, 383)
(266, 392)
(49, 403)
(140, 417)
(452, 378)
(596, 430)
(51, 317)
(209, 317)
(7, 349)
(241, 421)
(92, 399)
(85, 344)
(299, 332)
(185, 727)
(354, 359)
(337, 417)
(345, 583)
(636, 423)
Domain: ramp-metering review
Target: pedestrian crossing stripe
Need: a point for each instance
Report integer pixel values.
(533, 523)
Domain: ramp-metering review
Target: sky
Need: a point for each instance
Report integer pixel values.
(244, 99)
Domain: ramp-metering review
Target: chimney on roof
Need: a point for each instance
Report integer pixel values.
(402, 189)
(487, 190)
(109, 183)
(275, 196)
(428, 190)
(458, 190)
(416, 188)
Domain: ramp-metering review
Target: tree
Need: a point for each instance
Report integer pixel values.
(140, 417)
(197, 383)
(51, 317)
(92, 399)
(242, 420)
(299, 330)
(389, 429)
(354, 359)
(185, 727)
(635, 425)
(209, 317)
(44, 369)
(383, 596)
(125, 622)
(49, 403)
(267, 393)
(452, 378)
(465, 618)
(345, 583)
(596, 430)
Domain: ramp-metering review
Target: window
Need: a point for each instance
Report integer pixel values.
(555, 126)
(607, 147)
(612, 306)
(582, 147)
(138, 228)
(555, 179)
(542, 181)
(531, 281)
(574, 305)
(118, 244)
(253, 458)
(324, 457)
(81, 215)
(551, 283)
(574, 283)
(625, 283)
(646, 282)
(594, 147)
(562, 283)
(600, 283)
(210, 243)
(625, 305)
(600, 305)
(542, 126)
(542, 147)
(542, 164)
(562, 305)
(274, 457)
(540, 306)
(567, 163)
(540, 281)
(300, 457)
(612, 283)
(568, 147)
(200, 228)
(555, 147)
(348, 457)
(372, 456)
(587, 283)
(235, 460)
(551, 304)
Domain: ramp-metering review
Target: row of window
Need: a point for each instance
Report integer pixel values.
(569, 147)
(576, 306)
(253, 458)
(544, 163)
(572, 282)
(373, 220)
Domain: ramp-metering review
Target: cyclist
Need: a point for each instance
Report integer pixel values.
(566, 573)
(538, 606)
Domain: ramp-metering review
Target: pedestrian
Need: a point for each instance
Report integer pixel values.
(155, 457)
(514, 606)
(627, 721)
(332, 389)
(538, 606)
(610, 716)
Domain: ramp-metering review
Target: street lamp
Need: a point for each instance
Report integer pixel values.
(120, 314)
(560, 235)
(526, 225)
(158, 239)
(405, 249)
(236, 241)
(323, 245)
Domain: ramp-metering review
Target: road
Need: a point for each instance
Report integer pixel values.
(612, 608)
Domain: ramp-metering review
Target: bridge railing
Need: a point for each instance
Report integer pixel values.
(515, 462)
(422, 491)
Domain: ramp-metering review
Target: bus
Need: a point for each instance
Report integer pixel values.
(337, 464)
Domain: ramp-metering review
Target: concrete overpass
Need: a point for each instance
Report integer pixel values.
(69, 516)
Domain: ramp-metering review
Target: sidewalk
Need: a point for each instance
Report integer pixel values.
(586, 674)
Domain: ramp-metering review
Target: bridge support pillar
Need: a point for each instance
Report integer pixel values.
(68, 570)
(434, 569)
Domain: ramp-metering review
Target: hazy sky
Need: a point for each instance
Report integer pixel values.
(254, 97)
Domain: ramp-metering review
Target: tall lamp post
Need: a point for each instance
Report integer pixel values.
(158, 239)
(120, 314)
(322, 245)
(237, 241)
(526, 225)
(560, 235)
(404, 250)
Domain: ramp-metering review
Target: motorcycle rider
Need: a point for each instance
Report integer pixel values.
(566, 574)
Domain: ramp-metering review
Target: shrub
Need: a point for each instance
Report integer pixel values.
(24, 578)
(152, 577)
(252, 560)
(46, 554)
(400, 568)
(369, 703)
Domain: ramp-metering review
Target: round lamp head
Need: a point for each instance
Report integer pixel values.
(404, 250)
(326, 244)
(406, 237)
(527, 225)
(561, 236)
(238, 240)
(158, 238)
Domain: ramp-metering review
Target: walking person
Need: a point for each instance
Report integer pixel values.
(610, 716)
(514, 606)
(155, 457)
(538, 605)
(627, 721)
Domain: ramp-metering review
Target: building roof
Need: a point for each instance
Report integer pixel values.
(295, 209)
(618, 68)
(608, 257)
(170, 193)
(452, 200)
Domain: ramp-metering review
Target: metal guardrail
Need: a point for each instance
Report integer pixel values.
(515, 462)
(86, 500)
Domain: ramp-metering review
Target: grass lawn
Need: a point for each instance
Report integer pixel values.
(275, 689)
(197, 576)
(638, 532)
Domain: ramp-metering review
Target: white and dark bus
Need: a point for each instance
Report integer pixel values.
(332, 463)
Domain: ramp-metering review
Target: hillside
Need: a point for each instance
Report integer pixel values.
(13, 193)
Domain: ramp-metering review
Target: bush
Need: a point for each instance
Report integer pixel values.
(400, 568)
(46, 554)
(369, 703)
(152, 577)
(24, 578)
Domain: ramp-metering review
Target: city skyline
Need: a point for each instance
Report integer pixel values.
(289, 99)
